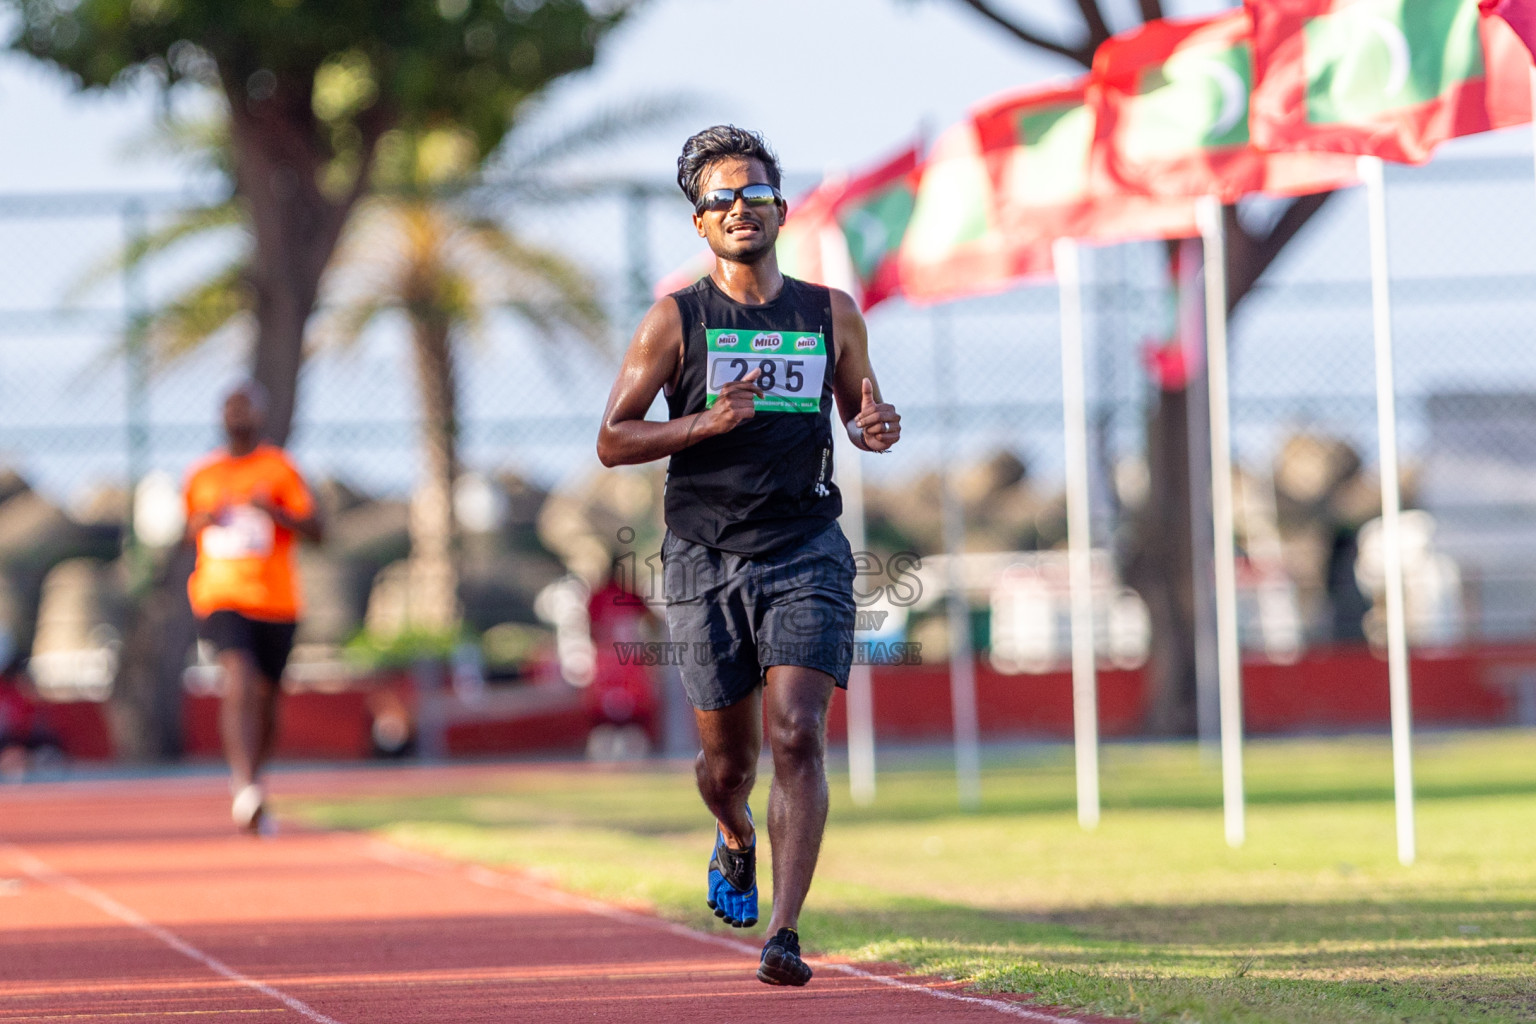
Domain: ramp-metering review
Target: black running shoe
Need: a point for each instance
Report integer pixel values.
(781, 963)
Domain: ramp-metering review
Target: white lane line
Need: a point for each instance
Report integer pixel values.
(42, 872)
(426, 864)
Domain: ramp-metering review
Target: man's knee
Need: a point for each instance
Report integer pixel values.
(799, 735)
(726, 772)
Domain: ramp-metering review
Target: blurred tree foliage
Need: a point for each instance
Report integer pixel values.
(313, 87)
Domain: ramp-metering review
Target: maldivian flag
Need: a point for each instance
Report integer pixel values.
(955, 245)
(873, 212)
(847, 232)
(1521, 15)
(811, 246)
(1039, 152)
(1171, 101)
(1387, 78)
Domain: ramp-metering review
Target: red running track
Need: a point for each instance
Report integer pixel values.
(133, 901)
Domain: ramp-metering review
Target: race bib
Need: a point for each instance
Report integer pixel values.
(243, 531)
(792, 367)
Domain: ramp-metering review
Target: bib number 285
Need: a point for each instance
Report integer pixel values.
(773, 374)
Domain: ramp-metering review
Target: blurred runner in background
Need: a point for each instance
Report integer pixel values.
(245, 503)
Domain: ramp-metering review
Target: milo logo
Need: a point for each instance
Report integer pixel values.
(767, 342)
(726, 341)
(805, 344)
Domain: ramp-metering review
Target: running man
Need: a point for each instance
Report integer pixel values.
(245, 503)
(757, 570)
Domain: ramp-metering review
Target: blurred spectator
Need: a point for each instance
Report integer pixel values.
(621, 700)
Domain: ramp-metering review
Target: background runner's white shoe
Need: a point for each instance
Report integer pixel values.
(247, 806)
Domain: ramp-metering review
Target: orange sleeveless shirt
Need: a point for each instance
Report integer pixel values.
(245, 560)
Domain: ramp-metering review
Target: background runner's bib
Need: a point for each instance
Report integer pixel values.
(244, 559)
(244, 531)
(767, 483)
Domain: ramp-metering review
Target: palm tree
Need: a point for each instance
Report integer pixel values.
(444, 266)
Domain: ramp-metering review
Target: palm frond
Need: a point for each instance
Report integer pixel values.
(375, 253)
(536, 314)
(203, 142)
(342, 326)
(182, 326)
(196, 222)
(571, 295)
(556, 359)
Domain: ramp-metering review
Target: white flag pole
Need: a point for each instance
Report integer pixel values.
(1085, 709)
(861, 696)
(1391, 510)
(1228, 658)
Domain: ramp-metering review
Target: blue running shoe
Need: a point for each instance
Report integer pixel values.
(733, 882)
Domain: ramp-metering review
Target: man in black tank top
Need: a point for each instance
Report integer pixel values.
(759, 579)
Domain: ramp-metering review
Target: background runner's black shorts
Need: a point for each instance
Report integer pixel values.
(738, 616)
(268, 643)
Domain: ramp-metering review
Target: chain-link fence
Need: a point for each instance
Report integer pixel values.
(86, 413)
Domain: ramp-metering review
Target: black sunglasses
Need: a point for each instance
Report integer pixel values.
(722, 199)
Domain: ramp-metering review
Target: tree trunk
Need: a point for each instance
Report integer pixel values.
(144, 714)
(281, 152)
(434, 576)
(281, 156)
(1161, 569)
(1162, 559)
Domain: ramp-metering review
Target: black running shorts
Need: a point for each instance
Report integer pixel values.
(268, 643)
(737, 616)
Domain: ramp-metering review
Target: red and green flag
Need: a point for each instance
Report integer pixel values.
(810, 245)
(955, 244)
(1386, 78)
(1039, 152)
(1171, 101)
(850, 230)
(1521, 16)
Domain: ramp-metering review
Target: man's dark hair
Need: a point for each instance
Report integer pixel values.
(719, 143)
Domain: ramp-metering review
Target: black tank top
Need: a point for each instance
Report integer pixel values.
(767, 483)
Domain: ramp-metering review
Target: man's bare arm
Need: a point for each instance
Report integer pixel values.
(872, 424)
(626, 436)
